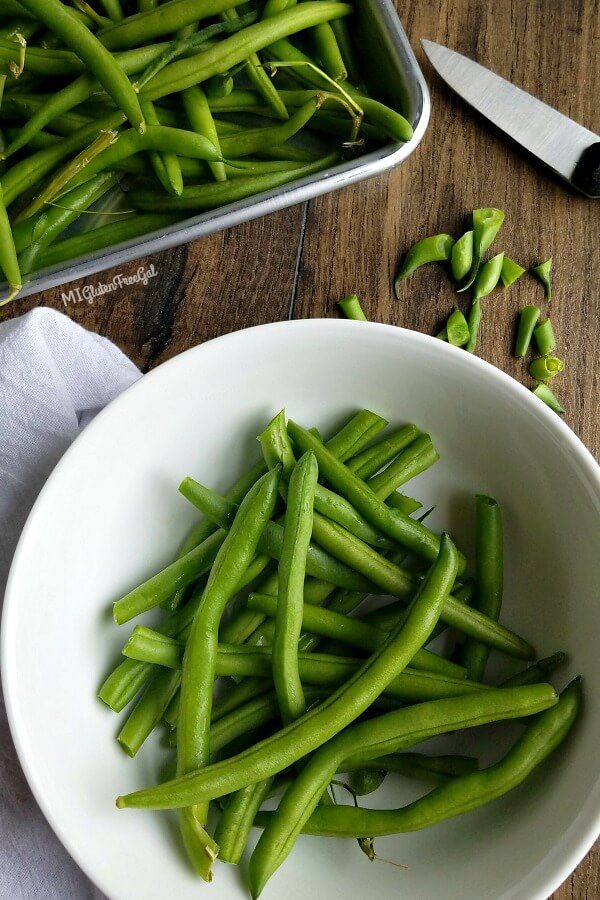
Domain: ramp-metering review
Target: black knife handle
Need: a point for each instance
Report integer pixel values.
(586, 176)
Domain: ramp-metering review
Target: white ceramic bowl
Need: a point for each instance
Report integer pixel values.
(110, 515)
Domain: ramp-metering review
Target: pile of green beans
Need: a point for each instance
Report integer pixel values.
(314, 528)
(465, 259)
(167, 78)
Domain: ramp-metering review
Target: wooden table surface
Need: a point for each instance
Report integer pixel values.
(296, 263)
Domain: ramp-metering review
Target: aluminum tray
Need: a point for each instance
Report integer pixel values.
(392, 74)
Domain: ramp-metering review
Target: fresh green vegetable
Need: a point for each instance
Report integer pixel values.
(544, 337)
(511, 271)
(351, 308)
(457, 329)
(545, 394)
(543, 273)
(528, 318)
(437, 248)
(546, 367)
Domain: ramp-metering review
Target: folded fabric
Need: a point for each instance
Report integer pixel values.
(54, 377)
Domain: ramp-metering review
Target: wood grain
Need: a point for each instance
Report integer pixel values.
(299, 261)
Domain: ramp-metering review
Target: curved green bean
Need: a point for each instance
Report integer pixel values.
(95, 56)
(166, 165)
(461, 257)
(487, 222)
(542, 272)
(392, 732)
(209, 196)
(235, 49)
(198, 670)
(437, 248)
(488, 277)
(545, 733)
(316, 727)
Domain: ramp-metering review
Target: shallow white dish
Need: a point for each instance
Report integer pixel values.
(110, 515)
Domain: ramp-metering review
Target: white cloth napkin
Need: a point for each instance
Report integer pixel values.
(54, 377)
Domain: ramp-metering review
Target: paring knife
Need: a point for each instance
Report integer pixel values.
(563, 145)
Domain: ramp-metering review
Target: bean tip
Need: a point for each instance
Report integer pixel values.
(120, 803)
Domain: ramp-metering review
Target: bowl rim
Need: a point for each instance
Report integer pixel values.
(588, 831)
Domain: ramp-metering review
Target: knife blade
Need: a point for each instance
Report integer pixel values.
(569, 149)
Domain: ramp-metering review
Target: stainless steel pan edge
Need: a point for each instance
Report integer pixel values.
(395, 45)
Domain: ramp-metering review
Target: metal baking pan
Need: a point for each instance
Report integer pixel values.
(392, 75)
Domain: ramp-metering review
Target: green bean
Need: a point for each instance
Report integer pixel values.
(156, 137)
(198, 670)
(351, 439)
(527, 322)
(393, 124)
(219, 86)
(95, 56)
(438, 769)
(391, 732)
(473, 321)
(546, 367)
(437, 248)
(488, 277)
(316, 727)
(377, 570)
(546, 395)
(113, 9)
(327, 51)
(511, 270)
(417, 457)
(164, 20)
(29, 171)
(57, 219)
(72, 95)
(544, 337)
(160, 587)
(393, 523)
(110, 235)
(367, 463)
(461, 257)
(210, 196)
(190, 44)
(489, 556)
(457, 330)
(203, 530)
(166, 165)
(149, 710)
(330, 624)
(237, 817)
(201, 120)
(486, 225)
(248, 142)
(543, 273)
(235, 49)
(259, 79)
(545, 733)
(9, 262)
(537, 672)
(351, 308)
(292, 568)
